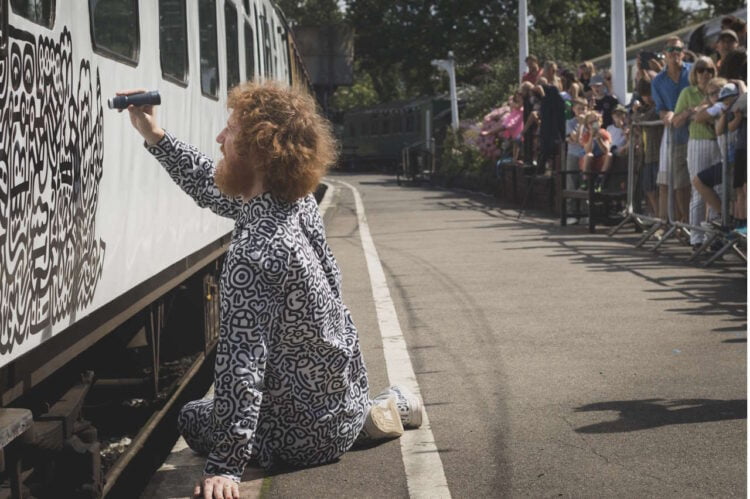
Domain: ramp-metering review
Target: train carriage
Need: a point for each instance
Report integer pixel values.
(92, 230)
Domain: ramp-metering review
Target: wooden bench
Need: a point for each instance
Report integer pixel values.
(599, 203)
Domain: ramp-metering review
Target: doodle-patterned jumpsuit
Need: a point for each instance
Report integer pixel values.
(290, 381)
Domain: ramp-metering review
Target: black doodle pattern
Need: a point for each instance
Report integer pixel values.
(290, 381)
(51, 154)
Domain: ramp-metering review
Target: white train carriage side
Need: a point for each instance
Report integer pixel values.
(92, 229)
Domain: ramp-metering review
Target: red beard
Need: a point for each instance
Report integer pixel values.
(234, 179)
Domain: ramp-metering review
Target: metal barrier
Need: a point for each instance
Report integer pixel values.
(671, 226)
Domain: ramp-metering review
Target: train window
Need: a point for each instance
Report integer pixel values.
(208, 48)
(246, 3)
(38, 11)
(232, 38)
(386, 124)
(173, 41)
(352, 130)
(410, 121)
(397, 123)
(249, 53)
(3, 29)
(267, 43)
(114, 29)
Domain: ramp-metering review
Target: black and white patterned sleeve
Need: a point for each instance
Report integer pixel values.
(249, 306)
(193, 171)
(312, 226)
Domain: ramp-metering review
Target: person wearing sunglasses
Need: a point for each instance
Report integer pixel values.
(702, 150)
(665, 90)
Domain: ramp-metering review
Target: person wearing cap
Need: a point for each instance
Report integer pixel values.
(533, 73)
(702, 150)
(604, 102)
(727, 41)
(665, 90)
(727, 119)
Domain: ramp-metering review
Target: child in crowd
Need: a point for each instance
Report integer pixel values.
(604, 103)
(596, 143)
(726, 120)
(573, 131)
(620, 133)
(650, 141)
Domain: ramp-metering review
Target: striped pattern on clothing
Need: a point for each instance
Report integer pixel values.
(701, 154)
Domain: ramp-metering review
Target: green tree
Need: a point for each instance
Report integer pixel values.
(311, 12)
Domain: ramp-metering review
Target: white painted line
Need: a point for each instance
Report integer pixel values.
(424, 468)
(326, 201)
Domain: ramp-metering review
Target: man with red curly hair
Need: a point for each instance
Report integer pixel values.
(290, 381)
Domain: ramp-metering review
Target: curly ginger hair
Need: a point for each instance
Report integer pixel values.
(281, 131)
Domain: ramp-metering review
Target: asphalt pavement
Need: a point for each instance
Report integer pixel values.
(552, 362)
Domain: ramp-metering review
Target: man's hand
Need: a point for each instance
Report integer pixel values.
(216, 487)
(667, 118)
(143, 119)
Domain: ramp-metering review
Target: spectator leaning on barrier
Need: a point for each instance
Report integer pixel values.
(721, 97)
(703, 151)
(644, 110)
(604, 102)
(665, 89)
(290, 380)
(533, 73)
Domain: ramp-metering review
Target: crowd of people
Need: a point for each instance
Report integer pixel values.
(687, 109)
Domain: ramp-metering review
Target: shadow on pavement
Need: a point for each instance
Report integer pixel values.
(644, 414)
(719, 290)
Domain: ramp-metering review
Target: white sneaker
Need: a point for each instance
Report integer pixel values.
(409, 405)
(383, 420)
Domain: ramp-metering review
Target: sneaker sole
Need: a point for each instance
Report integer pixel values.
(384, 420)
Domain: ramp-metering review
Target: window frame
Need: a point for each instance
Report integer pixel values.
(166, 76)
(15, 12)
(228, 4)
(4, 5)
(110, 54)
(218, 65)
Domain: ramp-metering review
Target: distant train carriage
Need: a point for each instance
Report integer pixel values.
(92, 229)
(377, 136)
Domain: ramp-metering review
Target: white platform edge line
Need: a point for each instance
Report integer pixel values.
(326, 201)
(425, 476)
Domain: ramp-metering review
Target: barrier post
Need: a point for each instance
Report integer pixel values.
(630, 217)
(657, 222)
(725, 182)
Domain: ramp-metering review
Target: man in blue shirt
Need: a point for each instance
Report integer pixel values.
(665, 89)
